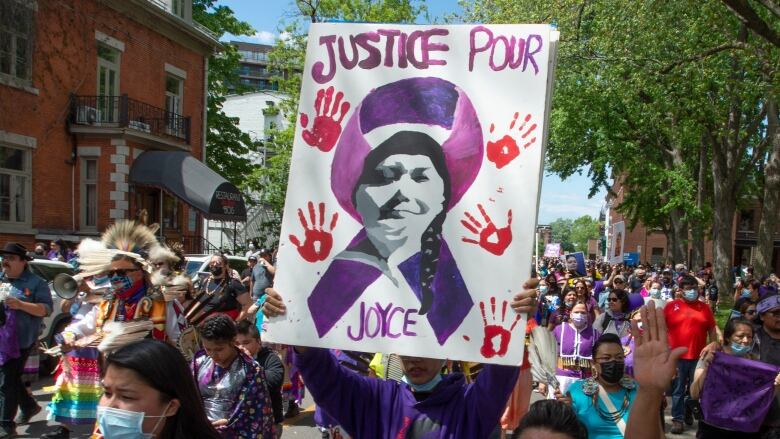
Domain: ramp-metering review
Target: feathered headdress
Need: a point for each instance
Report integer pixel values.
(130, 238)
(162, 253)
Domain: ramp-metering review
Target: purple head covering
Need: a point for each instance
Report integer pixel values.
(427, 101)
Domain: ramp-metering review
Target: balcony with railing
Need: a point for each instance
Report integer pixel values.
(107, 114)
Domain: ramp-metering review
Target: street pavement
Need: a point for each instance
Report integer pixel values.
(300, 427)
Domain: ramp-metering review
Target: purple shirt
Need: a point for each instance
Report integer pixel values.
(377, 409)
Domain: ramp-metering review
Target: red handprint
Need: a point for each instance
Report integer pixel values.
(505, 149)
(491, 238)
(326, 129)
(495, 333)
(317, 241)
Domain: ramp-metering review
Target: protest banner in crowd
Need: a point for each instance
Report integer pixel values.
(416, 166)
(552, 250)
(618, 238)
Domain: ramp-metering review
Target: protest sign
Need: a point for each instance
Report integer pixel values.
(737, 401)
(416, 165)
(616, 242)
(574, 263)
(552, 250)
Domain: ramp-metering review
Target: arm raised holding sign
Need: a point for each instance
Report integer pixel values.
(386, 409)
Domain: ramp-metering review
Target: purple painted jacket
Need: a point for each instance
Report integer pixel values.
(369, 408)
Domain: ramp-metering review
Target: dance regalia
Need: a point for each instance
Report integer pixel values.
(237, 394)
(77, 382)
(575, 353)
(134, 304)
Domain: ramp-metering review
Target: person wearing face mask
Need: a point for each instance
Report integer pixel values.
(223, 293)
(767, 349)
(426, 404)
(148, 392)
(603, 401)
(575, 342)
(738, 336)
(750, 289)
(656, 295)
(690, 323)
(549, 301)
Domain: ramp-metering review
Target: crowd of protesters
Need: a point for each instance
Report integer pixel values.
(628, 339)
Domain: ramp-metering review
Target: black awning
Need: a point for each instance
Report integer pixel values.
(190, 180)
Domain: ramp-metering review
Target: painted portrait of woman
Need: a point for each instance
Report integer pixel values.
(407, 155)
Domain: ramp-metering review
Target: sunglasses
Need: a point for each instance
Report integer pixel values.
(121, 271)
(613, 299)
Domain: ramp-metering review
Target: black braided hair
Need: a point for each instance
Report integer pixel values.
(414, 143)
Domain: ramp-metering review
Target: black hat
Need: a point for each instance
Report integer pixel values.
(253, 258)
(13, 248)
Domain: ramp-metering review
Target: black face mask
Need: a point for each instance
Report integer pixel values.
(612, 371)
(216, 271)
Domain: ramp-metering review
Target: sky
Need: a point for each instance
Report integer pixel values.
(560, 199)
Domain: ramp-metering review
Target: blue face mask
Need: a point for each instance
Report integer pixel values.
(745, 293)
(739, 349)
(690, 295)
(427, 387)
(543, 289)
(124, 424)
(120, 284)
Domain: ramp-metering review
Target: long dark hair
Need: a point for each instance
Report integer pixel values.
(553, 416)
(164, 368)
(414, 143)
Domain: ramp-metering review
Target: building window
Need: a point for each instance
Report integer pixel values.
(174, 89)
(108, 84)
(15, 180)
(17, 32)
(177, 8)
(89, 202)
(746, 221)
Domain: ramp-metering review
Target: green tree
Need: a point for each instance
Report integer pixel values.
(670, 97)
(583, 229)
(226, 145)
(560, 231)
(287, 61)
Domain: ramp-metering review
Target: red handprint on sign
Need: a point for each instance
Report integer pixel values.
(317, 241)
(491, 238)
(495, 333)
(327, 128)
(505, 149)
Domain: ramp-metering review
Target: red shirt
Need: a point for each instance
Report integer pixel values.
(688, 325)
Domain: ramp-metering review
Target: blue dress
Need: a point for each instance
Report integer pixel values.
(598, 427)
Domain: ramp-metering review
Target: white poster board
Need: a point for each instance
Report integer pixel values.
(416, 171)
(617, 242)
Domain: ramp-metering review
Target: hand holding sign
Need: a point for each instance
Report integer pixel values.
(327, 128)
(491, 238)
(317, 241)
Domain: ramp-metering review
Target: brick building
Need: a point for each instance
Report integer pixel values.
(652, 244)
(87, 87)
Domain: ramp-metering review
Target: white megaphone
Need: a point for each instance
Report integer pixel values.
(66, 286)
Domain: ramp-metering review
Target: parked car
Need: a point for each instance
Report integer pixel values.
(57, 320)
(200, 263)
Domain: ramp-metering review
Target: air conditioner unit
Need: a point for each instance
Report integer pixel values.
(88, 115)
(140, 126)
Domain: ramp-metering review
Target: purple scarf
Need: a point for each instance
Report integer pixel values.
(345, 281)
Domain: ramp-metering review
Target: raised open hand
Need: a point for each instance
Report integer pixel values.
(654, 363)
(317, 241)
(327, 126)
(491, 238)
(495, 332)
(504, 150)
